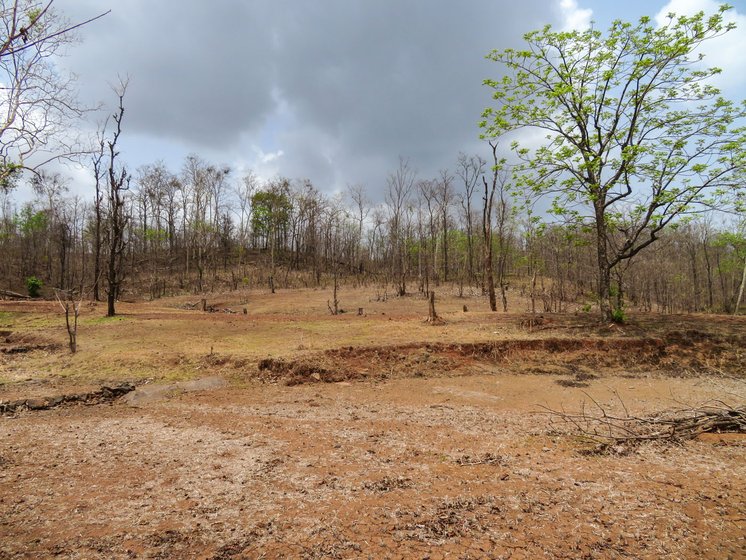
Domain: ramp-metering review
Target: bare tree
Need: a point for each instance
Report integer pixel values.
(427, 193)
(243, 191)
(499, 179)
(98, 203)
(399, 184)
(469, 169)
(357, 194)
(117, 217)
(37, 103)
(68, 303)
(445, 196)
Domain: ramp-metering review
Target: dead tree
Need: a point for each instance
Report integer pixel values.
(70, 306)
(432, 317)
(118, 186)
(98, 173)
(334, 305)
(469, 169)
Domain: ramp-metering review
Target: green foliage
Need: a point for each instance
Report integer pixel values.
(633, 127)
(34, 286)
(271, 210)
(415, 248)
(458, 240)
(9, 175)
(735, 254)
(33, 14)
(155, 235)
(28, 221)
(617, 315)
(635, 135)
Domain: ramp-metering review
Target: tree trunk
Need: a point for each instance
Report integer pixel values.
(740, 289)
(710, 296)
(469, 240)
(488, 273)
(432, 316)
(445, 247)
(604, 270)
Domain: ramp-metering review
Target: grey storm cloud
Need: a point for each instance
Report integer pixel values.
(342, 87)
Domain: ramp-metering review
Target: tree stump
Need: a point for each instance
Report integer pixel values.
(432, 316)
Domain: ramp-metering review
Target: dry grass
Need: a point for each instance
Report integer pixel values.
(161, 340)
(434, 448)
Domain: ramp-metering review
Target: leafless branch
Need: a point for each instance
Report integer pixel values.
(616, 433)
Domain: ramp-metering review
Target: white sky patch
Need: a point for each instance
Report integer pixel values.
(574, 17)
(265, 158)
(724, 52)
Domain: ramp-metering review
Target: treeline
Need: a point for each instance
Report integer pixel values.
(204, 229)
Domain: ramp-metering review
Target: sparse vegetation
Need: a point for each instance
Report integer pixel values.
(234, 404)
(378, 409)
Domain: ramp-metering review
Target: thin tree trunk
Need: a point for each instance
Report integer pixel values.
(740, 289)
(432, 315)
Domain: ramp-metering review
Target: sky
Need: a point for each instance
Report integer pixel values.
(334, 91)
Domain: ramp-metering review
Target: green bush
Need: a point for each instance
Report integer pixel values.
(33, 285)
(617, 315)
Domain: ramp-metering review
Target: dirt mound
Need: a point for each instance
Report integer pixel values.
(679, 353)
(298, 372)
(20, 343)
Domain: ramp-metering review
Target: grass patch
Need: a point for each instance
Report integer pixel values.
(104, 320)
(7, 316)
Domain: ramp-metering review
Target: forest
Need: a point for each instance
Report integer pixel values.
(634, 201)
(200, 229)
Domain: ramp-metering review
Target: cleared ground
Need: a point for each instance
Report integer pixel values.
(373, 436)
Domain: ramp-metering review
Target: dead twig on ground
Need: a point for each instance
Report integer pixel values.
(617, 433)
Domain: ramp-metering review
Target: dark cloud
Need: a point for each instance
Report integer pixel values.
(342, 87)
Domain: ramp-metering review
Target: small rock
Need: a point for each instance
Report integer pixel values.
(36, 404)
(316, 376)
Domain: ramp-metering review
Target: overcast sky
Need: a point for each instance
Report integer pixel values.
(334, 90)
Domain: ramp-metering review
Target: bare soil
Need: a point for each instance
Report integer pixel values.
(362, 437)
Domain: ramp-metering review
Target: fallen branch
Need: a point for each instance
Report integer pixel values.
(618, 432)
(14, 295)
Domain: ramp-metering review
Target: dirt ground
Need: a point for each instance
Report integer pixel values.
(288, 433)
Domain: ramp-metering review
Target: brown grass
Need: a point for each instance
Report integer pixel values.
(395, 439)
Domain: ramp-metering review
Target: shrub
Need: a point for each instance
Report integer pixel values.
(33, 285)
(617, 315)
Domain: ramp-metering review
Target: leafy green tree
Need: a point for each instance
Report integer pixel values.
(735, 242)
(271, 209)
(635, 133)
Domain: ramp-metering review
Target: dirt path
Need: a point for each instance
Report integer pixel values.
(446, 467)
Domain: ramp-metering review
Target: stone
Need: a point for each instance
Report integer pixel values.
(37, 404)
